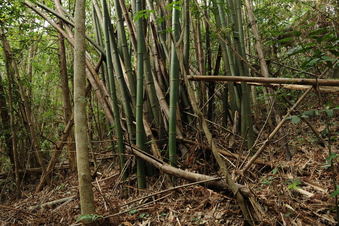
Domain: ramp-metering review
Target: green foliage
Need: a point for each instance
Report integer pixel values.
(302, 36)
(163, 214)
(295, 119)
(143, 215)
(294, 184)
(10, 11)
(174, 4)
(269, 179)
(336, 192)
(143, 14)
(275, 171)
(329, 112)
(330, 159)
(88, 218)
(133, 211)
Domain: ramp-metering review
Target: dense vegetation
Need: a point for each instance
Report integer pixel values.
(222, 93)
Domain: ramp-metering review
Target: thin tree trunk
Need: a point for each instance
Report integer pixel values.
(80, 121)
(66, 96)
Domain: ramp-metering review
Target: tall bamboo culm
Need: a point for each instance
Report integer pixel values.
(116, 114)
(174, 88)
(140, 133)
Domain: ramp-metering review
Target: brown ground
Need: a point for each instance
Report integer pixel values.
(291, 189)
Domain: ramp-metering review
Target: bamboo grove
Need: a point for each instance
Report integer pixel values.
(140, 60)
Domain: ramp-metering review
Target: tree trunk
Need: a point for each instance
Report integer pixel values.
(66, 97)
(80, 121)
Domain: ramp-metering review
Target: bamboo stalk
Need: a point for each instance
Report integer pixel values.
(99, 38)
(125, 54)
(262, 80)
(140, 133)
(190, 176)
(117, 126)
(174, 89)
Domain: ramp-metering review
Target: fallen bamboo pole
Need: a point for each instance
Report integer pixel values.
(322, 89)
(262, 80)
(187, 175)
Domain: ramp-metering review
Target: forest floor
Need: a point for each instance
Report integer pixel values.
(292, 183)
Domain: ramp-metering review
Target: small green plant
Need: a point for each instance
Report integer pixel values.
(163, 214)
(274, 171)
(196, 219)
(295, 119)
(133, 211)
(294, 184)
(61, 187)
(329, 159)
(267, 181)
(88, 218)
(336, 192)
(143, 14)
(143, 215)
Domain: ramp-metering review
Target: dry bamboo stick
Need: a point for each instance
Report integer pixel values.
(323, 89)
(190, 176)
(298, 81)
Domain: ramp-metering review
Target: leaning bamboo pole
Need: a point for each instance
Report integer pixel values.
(322, 89)
(262, 80)
(187, 175)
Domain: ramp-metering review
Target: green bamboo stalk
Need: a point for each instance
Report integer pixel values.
(161, 28)
(116, 114)
(186, 34)
(174, 88)
(151, 93)
(99, 39)
(126, 97)
(233, 92)
(130, 26)
(140, 133)
(246, 125)
(229, 90)
(124, 49)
